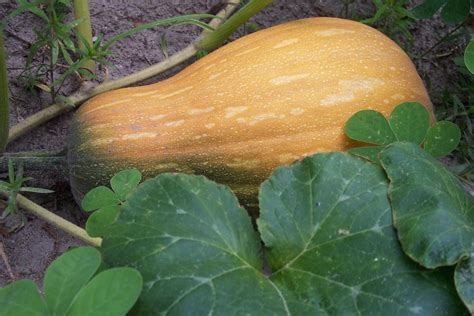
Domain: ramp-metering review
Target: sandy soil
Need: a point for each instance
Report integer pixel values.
(32, 248)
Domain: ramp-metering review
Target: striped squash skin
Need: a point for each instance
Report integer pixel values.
(264, 100)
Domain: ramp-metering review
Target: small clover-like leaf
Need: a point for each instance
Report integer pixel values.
(428, 8)
(98, 222)
(67, 275)
(453, 11)
(22, 298)
(432, 212)
(370, 153)
(97, 198)
(469, 57)
(371, 127)
(442, 138)
(456, 11)
(464, 280)
(410, 122)
(111, 292)
(70, 291)
(125, 182)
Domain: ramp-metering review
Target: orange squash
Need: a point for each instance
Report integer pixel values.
(264, 100)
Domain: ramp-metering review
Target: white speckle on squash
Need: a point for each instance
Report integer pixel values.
(332, 32)
(286, 42)
(265, 116)
(297, 111)
(214, 76)
(103, 141)
(109, 105)
(157, 117)
(398, 96)
(287, 79)
(174, 123)
(348, 88)
(172, 94)
(247, 51)
(210, 125)
(144, 94)
(139, 136)
(234, 110)
(200, 111)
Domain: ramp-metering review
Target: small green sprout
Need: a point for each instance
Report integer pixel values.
(13, 187)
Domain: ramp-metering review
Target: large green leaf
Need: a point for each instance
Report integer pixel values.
(327, 224)
(66, 276)
(22, 299)
(433, 214)
(195, 247)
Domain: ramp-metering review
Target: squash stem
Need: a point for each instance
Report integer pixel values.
(56, 221)
(44, 160)
(84, 29)
(212, 40)
(4, 106)
(77, 98)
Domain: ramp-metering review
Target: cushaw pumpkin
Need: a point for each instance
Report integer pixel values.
(264, 100)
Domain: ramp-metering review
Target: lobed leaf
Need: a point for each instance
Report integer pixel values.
(331, 246)
(433, 214)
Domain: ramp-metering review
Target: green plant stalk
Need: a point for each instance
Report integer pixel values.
(4, 106)
(77, 98)
(56, 220)
(84, 29)
(220, 35)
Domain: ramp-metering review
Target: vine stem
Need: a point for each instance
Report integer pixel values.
(56, 220)
(84, 29)
(207, 40)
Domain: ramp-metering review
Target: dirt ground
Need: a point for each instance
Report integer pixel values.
(30, 250)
